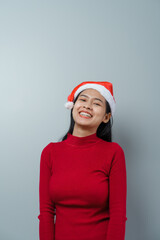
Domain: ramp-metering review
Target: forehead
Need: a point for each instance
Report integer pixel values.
(93, 93)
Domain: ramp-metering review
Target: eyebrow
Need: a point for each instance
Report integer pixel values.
(94, 98)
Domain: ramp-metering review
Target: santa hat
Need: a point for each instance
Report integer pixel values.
(105, 88)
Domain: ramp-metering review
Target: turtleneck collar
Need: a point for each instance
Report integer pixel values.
(82, 141)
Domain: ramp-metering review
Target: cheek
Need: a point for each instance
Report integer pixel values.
(100, 113)
(75, 109)
(77, 105)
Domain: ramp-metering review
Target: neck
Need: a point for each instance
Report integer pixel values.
(79, 132)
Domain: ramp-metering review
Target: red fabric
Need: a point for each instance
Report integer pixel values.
(82, 190)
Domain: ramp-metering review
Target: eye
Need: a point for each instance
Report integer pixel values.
(85, 100)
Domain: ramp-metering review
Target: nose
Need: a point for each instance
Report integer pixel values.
(87, 105)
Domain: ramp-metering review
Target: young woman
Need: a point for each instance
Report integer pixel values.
(83, 180)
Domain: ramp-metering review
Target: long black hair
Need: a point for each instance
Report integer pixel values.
(103, 131)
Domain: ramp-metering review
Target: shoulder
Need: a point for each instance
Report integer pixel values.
(118, 150)
(52, 146)
(117, 147)
(45, 156)
(118, 156)
(47, 148)
(113, 146)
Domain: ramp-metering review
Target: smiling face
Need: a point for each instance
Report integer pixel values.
(92, 102)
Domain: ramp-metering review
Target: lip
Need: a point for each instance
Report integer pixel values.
(86, 112)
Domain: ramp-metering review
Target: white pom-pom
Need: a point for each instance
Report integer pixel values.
(69, 105)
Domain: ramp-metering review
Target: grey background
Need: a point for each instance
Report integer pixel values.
(46, 49)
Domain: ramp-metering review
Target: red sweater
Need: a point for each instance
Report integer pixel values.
(82, 190)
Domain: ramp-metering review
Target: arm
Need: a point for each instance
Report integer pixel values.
(46, 206)
(117, 197)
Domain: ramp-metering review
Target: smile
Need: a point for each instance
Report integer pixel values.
(84, 114)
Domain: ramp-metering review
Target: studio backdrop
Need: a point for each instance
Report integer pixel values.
(46, 49)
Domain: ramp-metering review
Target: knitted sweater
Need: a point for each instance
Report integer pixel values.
(82, 190)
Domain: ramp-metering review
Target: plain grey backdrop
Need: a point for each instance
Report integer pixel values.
(46, 49)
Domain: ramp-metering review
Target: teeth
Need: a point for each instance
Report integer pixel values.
(85, 114)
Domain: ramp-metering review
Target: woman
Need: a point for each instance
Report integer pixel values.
(83, 180)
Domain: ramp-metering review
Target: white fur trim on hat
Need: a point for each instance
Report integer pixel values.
(69, 105)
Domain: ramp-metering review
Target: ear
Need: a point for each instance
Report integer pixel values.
(106, 117)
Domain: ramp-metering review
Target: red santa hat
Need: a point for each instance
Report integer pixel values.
(105, 89)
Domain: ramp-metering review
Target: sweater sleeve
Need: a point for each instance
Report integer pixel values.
(117, 196)
(46, 206)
